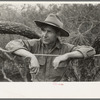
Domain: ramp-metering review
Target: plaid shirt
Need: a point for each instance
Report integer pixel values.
(47, 71)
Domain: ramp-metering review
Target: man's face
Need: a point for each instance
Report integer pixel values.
(48, 35)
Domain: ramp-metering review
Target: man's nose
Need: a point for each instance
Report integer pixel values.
(45, 34)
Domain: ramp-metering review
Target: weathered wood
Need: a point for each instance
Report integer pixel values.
(7, 27)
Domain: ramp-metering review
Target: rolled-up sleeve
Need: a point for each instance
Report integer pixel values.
(86, 51)
(14, 45)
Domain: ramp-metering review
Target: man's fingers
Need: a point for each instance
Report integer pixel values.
(55, 64)
(55, 67)
(34, 70)
(37, 71)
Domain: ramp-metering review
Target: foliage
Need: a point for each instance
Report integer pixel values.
(82, 21)
(73, 16)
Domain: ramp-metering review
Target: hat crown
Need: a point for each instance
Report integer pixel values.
(55, 20)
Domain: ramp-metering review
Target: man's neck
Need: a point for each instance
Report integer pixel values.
(50, 46)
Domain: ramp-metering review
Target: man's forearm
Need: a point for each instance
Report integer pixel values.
(64, 57)
(23, 53)
(33, 63)
(74, 54)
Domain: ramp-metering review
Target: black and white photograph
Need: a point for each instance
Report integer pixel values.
(44, 42)
(49, 43)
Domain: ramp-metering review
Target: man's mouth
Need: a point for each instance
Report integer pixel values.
(45, 39)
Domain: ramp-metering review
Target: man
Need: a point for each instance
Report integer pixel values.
(48, 55)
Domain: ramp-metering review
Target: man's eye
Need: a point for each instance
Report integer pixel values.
(42, 29)
(49, 31)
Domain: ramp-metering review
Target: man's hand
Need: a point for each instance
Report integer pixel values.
(59, 59)
(34, 65)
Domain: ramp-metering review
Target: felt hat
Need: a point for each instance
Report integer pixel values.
(53, 20)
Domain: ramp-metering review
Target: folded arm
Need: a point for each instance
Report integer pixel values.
(77, 52)
(19, 48)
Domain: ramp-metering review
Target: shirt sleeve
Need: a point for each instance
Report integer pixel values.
(14, 45)
(86, 51)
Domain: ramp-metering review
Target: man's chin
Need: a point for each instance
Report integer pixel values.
(44, 42)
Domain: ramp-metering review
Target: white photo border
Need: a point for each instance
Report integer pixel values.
(42, 90)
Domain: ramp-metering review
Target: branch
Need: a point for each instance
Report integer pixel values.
(5, 77)
(7, 27)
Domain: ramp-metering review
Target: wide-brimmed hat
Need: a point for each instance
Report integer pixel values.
(53, 20)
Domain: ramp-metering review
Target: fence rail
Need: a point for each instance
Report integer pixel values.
(15, 68)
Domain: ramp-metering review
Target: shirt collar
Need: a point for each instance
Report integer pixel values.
(58, 43)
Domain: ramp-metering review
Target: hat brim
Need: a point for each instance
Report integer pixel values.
(64, 33)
